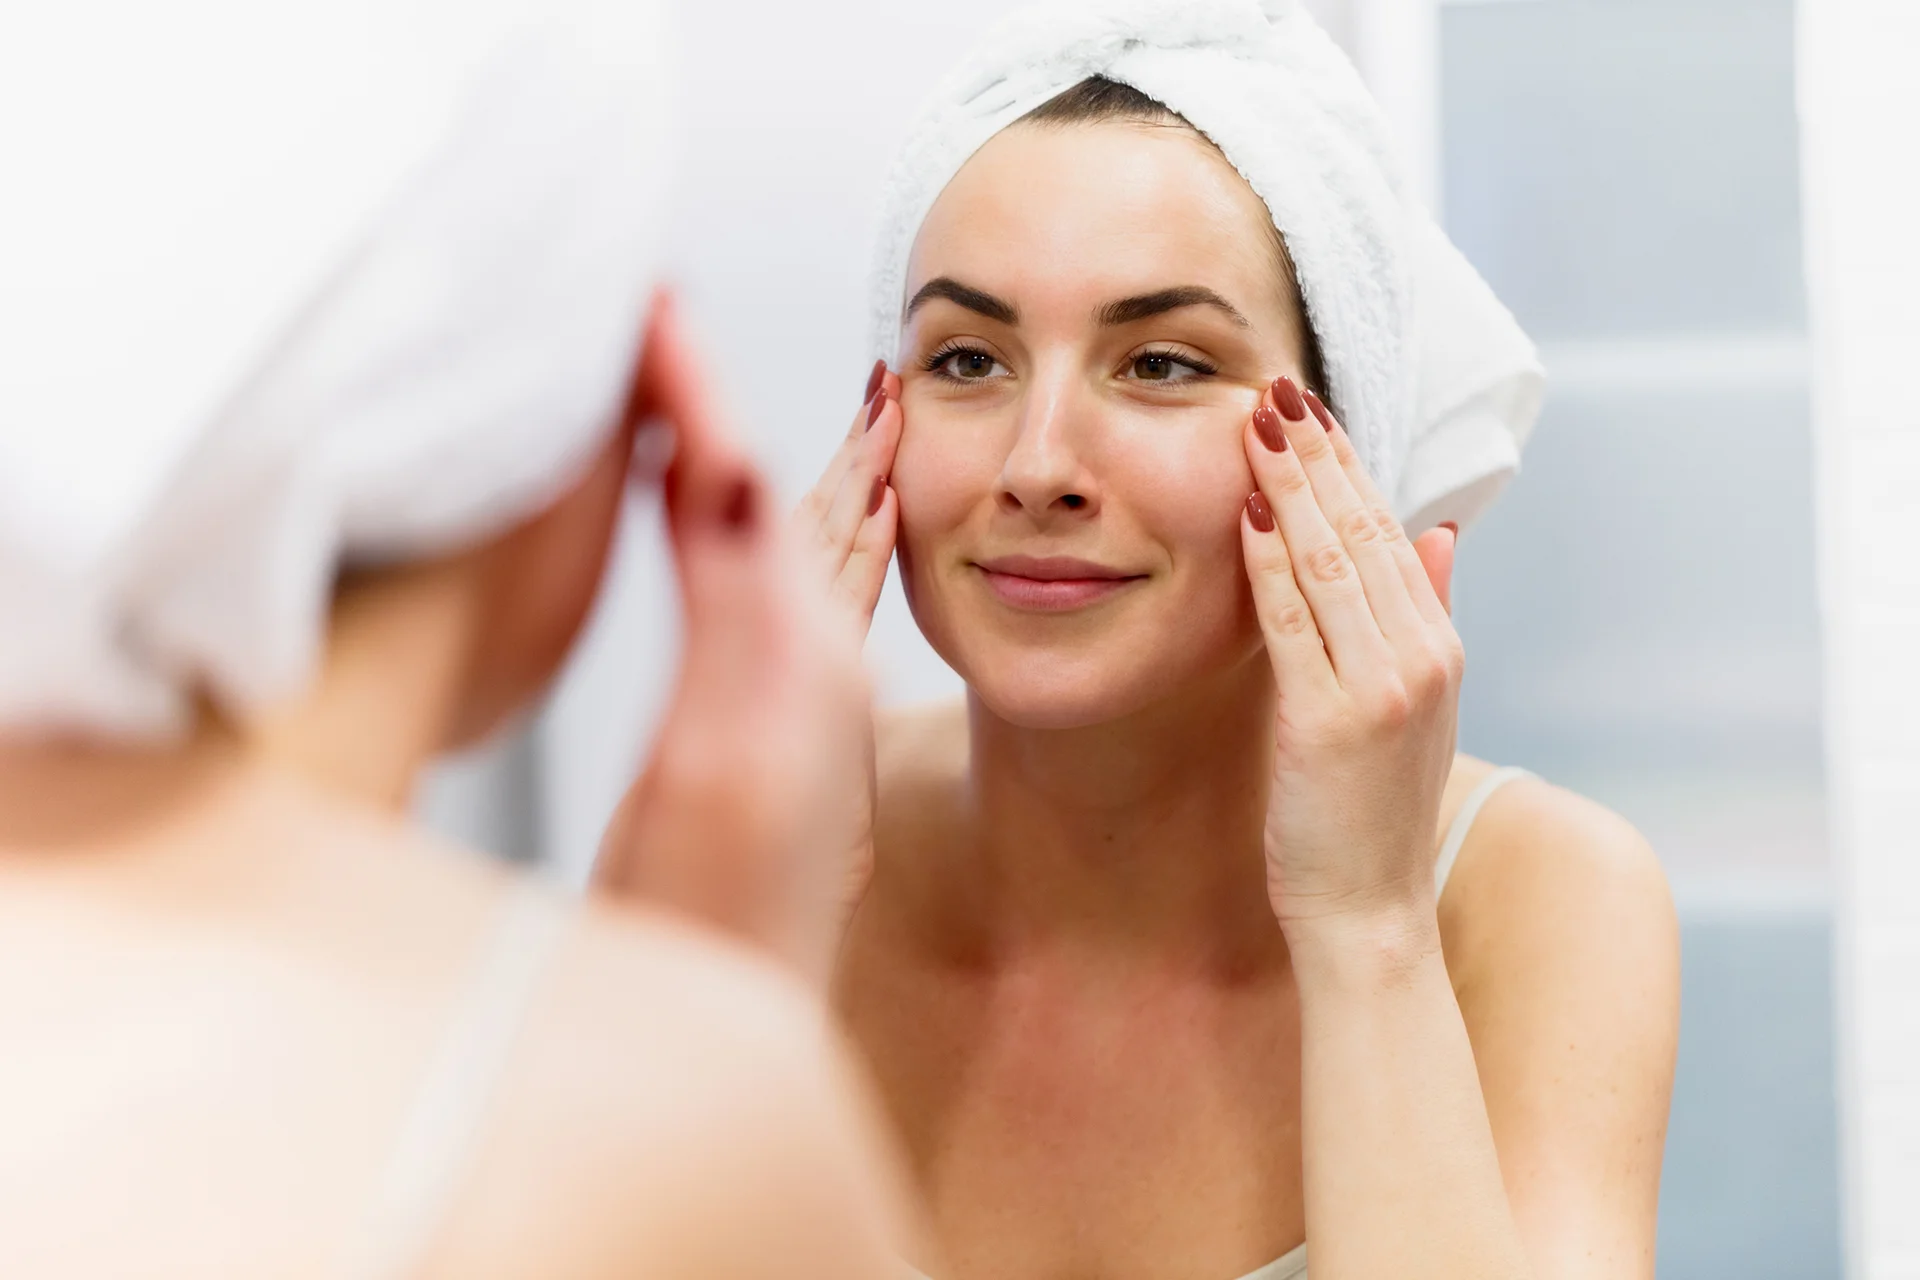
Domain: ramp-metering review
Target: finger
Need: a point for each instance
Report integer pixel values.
(1420, 588)
(852, 500)
(1328, 579)
(1366, 529)
(1294, 646)
(865, 572)
(1434, 549)
(814, 506)
(821, 495)
(708, 467)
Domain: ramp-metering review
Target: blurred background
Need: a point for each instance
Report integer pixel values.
(1639, 610)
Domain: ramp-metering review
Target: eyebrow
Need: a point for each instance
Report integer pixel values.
(975, 300)
(1128, 310)
(1119, 312)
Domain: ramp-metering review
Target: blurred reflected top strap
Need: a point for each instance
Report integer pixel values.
(438, 1137)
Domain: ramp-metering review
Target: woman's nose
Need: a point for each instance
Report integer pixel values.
(1044, 473)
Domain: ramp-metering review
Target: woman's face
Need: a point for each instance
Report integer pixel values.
(1094, 312)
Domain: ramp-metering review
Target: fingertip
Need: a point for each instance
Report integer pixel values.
(1320, 411)
(1436, 558)
(1259, 514)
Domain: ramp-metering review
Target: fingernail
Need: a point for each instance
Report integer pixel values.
(1286, 398)
(1319, 411)
(873, 414)
(741, 508)
(874, 379)
(1260, 513)
(1451, 528)
(1266, 425)
(878, 496)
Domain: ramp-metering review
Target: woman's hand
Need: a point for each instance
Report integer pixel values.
(739, 816)
(845, 531)
(1367, 667)
(845, 525)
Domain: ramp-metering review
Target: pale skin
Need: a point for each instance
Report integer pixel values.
(225, 963)
(1151, 966)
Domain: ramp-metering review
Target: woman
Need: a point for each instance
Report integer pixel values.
(346, 512)
(1155, 967)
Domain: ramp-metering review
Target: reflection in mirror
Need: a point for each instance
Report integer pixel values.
(1637, 610)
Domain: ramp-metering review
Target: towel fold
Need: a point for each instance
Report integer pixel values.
(1429, 373)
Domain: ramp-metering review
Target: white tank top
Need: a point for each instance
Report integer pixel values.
(1293, 1266)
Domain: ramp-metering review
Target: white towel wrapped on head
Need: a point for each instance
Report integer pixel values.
(1429, 373)
(291, 284)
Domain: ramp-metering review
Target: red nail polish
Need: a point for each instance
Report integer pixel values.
(878, 495)
(1286, 398)
(1260, 513)
(874, 379)
(1319, 411)
(873, 414)
(742, 507)
(1266, 425)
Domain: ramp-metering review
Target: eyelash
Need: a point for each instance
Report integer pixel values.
(935, 363)
(1201, 367)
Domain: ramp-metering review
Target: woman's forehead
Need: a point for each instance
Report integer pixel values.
(1104, 210)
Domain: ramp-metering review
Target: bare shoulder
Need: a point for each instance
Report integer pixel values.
(689, 1111)
(1555, 892)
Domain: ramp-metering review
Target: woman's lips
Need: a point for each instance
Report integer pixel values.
(1052, 584)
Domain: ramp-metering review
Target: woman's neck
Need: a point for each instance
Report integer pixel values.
(1142, 834)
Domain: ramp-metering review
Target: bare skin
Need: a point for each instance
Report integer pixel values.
(225, 966)
(1151, 968)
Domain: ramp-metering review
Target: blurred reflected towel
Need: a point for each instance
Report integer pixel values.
(287, 285)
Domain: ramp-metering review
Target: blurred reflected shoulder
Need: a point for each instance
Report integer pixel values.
(262, 1026)
(344, 505)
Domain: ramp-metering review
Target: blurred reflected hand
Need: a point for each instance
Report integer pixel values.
(758, 780)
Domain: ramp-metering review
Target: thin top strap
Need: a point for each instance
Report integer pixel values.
(439, 1133)
(1463, 822)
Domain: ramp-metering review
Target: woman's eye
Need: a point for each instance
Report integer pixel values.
(969, 366)
(1158, 366)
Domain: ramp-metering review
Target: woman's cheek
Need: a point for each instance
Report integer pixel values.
(1191, 491)
(1190, 499)
(936, 482)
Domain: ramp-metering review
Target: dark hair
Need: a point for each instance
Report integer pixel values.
(1097, 100)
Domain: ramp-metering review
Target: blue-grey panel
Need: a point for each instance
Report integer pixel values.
(1626, 166)
(1643, 596)
(1751, 1182)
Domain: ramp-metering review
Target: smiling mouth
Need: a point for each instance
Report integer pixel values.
(1055, 584)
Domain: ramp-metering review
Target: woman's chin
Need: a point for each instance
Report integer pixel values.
(1047, 695)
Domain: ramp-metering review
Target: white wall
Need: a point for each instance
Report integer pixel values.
(1860, 118)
